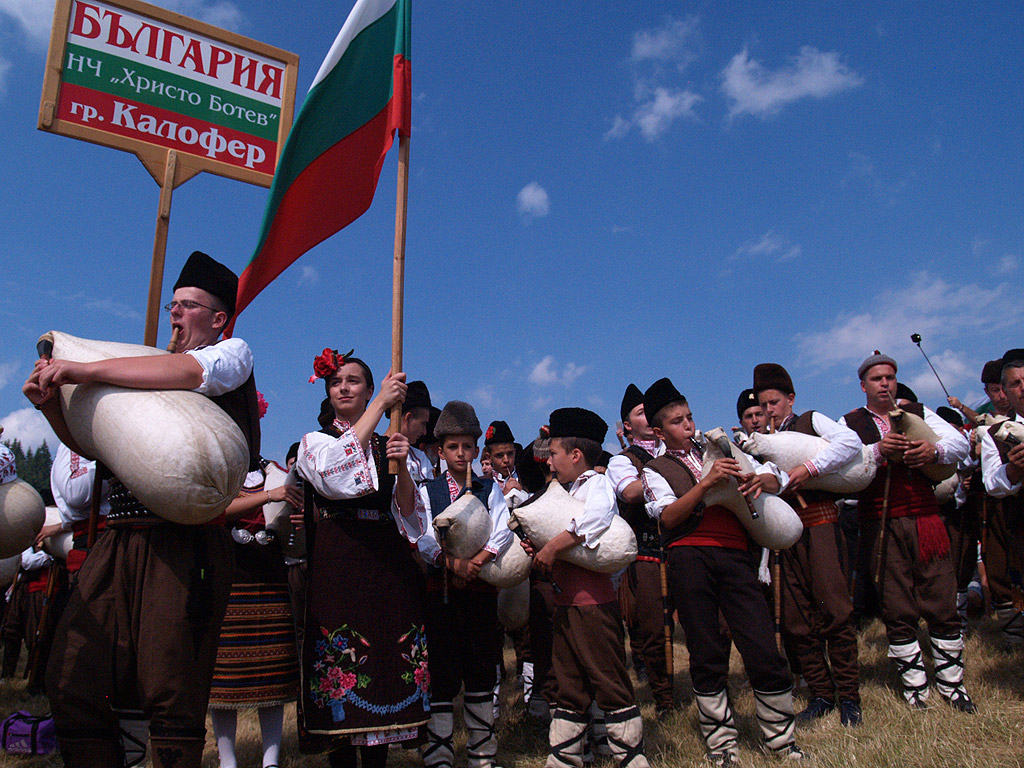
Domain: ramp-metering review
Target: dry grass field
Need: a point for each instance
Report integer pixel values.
(891, 737)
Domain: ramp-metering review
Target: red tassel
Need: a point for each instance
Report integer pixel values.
(932, 539)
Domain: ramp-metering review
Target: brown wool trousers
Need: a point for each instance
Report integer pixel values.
(911, 588)
(645, 579)
(589, 658)
(140, 632)
(817, 613)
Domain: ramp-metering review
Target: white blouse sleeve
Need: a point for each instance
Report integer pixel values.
(599, 509)
(337, 467)
(993, 470)
(71, 481)
(226, 365)
(501, 535)
(429, 548)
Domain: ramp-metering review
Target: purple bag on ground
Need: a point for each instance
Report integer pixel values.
(26, 734)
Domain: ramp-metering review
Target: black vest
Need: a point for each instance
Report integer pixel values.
(804, 424)
(680, 480)
(441, 497)
(644, 526)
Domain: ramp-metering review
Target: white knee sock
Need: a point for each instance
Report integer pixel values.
(271, 725)
(225, 723)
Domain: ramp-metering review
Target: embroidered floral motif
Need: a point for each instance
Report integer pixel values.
(77, 466)
(417, 658)
(339, 654)
(336, 680)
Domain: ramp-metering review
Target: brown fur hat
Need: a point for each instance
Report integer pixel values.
(457, 418)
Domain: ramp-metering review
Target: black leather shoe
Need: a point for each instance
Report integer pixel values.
(962, 702)
(850, 714)
(816, 709)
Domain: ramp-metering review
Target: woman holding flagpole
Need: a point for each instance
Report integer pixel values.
(364, 680)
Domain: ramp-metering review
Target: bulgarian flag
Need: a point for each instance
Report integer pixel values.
(332, 158)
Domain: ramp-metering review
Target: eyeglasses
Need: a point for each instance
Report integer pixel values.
(185, 305)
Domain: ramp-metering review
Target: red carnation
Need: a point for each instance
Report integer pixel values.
(327, 363)
(490, 432)
(261, 403)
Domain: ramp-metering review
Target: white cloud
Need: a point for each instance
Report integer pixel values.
(540, 403)
(7, 371)
(5, 67)
(673, 42)
(1007, 264)
(656, 113)
(115, 308)
(864, 169)
(484, 396)
(758, 91)
(35, 17)
(28, 426)
(928, 305)
(220, 13)
(659, 56)
(955, 369)
(308, 275)
(770, 244)
(533, 202)
(979, 245)
(548, 372)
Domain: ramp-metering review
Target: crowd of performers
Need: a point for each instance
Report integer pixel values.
(375, 628)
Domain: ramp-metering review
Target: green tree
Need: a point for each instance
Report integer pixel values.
(34, 467)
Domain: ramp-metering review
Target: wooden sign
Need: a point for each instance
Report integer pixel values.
(135, 77)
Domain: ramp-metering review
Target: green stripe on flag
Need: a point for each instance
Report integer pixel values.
(354, 92)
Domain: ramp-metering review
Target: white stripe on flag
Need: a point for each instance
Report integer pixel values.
(363, 14)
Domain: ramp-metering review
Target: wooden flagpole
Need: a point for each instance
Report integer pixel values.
(398, 281)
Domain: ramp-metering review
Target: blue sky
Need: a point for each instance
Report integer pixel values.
(599, 193)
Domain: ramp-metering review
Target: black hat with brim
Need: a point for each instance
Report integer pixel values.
(416, 396)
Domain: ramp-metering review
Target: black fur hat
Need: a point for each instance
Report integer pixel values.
(416, 396)
(992, 373)
(498, 432)
(772, 376)
(201, 271)
(746, 400)
(903, 392)
(1011, 356)
(577, 422)
(630, 400)
(457, 418)
(661, 393)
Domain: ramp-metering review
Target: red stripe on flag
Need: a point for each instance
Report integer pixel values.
(330, 193)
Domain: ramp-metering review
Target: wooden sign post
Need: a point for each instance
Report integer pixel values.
(182, 95)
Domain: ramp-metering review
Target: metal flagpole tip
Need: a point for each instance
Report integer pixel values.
(916, 338)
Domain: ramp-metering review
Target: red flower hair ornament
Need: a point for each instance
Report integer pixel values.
(327, 362)
(261, 403)
(490, 433)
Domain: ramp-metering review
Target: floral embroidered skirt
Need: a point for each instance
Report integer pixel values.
(364, 657)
